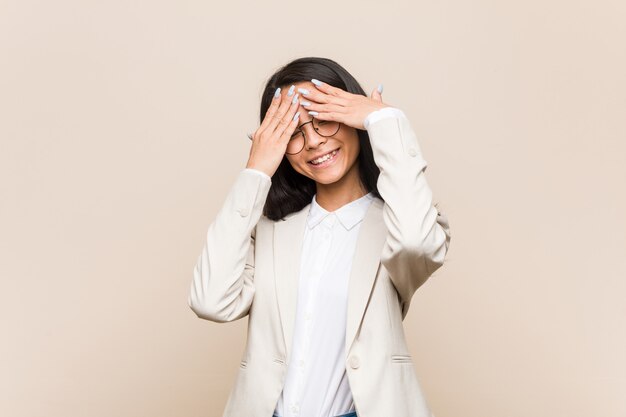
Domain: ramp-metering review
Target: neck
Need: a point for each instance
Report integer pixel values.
(347, 189)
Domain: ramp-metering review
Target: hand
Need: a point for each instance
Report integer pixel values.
(269, 141)
(332, 103)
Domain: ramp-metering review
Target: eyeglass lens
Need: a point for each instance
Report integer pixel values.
(322, 127)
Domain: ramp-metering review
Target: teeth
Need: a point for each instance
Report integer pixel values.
(323, 158)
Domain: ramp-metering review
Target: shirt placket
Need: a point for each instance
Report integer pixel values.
(321, 241)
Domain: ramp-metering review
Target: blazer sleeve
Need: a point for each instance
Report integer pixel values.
(222, 288)
(418, 233)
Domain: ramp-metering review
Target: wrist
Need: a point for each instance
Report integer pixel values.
(258, 169)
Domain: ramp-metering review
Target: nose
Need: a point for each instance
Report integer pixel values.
(313, 139)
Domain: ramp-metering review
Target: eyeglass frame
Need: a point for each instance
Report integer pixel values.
(304, 136)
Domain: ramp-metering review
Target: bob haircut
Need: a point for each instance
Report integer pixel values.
(291, 191)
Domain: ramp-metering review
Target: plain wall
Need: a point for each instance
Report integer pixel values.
(123, 125)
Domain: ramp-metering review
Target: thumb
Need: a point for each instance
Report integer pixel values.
(377, 93)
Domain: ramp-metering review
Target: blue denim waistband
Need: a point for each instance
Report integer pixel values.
(351, 414)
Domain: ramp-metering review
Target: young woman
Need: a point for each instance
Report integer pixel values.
(322, 241)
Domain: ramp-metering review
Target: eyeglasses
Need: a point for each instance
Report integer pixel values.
(324, 128)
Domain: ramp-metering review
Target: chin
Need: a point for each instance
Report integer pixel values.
(325, 180)
(327, 176)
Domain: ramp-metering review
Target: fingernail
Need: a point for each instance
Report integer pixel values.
(295, 99)
(313, 113)
(316, 82)
(380, 88)
(290, 92)
(305, 103)
(277, 92)
(303, 91)
(295, 117)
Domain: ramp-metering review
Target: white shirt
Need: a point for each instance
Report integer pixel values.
(316, 384)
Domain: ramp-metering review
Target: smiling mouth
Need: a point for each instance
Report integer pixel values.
(330, 155)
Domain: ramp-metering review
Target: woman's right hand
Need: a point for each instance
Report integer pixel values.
(269, 141)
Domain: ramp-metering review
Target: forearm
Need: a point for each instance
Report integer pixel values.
(418, 236)
(222, 288)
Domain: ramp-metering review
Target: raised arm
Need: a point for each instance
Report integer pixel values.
(418, 234)
(222, 288)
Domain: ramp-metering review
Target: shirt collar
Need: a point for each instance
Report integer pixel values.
(349, 214)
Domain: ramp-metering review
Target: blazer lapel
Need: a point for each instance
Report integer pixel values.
(364, 267)
(288, 238)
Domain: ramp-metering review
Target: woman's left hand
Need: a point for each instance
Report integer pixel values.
(332, 103)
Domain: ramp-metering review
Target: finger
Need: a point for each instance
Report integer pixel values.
(332, 116)
(276, 100)
(329, 89)
(286, 121)
(286, 135)
(330, 107)
(322, 97)
(285, 105)
(376, 94)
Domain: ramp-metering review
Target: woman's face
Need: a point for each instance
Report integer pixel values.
(345, 141)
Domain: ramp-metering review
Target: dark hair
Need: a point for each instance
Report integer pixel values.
(290, 190)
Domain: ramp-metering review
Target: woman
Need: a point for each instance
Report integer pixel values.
(322, 241)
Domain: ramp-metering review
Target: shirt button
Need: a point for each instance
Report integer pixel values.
(308, 316)
(354, 361)
(243, 212)
(301, 363)
(412, 151)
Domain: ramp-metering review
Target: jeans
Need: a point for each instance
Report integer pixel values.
(351, 414)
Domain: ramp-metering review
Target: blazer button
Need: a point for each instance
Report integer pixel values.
(243, 212)
(354, 361)
(412, 151)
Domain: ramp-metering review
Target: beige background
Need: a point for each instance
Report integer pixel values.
(123, 125)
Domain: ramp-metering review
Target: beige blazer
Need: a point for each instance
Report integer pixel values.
(250, 264)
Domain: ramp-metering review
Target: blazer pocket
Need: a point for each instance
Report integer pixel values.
(403, 358)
